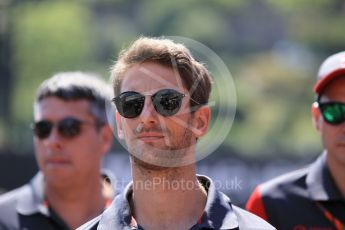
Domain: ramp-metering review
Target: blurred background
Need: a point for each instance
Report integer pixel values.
(272, 48)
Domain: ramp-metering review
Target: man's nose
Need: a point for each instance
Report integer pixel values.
(149, 114)
(54, 139)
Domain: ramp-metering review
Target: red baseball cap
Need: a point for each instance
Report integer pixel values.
(331, 68)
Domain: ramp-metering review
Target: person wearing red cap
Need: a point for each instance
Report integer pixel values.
(313, 197)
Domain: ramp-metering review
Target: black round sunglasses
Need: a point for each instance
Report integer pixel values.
(167, 102)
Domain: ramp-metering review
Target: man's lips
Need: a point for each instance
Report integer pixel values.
(57, 161)
(149, 137)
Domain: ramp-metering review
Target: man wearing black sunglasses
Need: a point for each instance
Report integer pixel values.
(313, 197)
(71, 135)
(161, 96)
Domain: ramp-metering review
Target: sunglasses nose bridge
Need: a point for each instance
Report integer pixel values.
(52, 142)
(53, 135)
(148, 110)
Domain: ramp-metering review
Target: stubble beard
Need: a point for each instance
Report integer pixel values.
(149, 157)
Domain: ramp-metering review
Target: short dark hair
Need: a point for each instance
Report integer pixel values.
(194, 75)
(71, 86)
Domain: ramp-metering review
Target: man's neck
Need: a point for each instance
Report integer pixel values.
(78, 204)
(337, 171)
(170, 198)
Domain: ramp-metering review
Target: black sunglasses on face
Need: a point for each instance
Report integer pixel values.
(332, 112)
(167, 102)
(68, 127)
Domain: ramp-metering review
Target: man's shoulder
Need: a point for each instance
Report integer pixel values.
(8, 207)
(285, 184)
(247, 220)
(10, 198)
(280, 195)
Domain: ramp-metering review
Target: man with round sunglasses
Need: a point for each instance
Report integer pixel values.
(161, 97)
(313, 197)
(71, 135)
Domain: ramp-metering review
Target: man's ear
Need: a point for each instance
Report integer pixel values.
(107, 138)
(201, 121)
(316, 115)
(120, 132)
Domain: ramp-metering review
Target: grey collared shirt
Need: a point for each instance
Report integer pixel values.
(219, 213)
(25, 208)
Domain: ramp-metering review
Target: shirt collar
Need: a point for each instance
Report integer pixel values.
(218, 213)
(320, 183)
(31, 199)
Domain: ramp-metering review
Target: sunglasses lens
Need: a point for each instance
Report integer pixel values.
(42, 129)
(69, 127)
(167, 102)
(129, 104)
(333, 113)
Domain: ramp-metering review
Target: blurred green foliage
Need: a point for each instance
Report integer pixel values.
(272, 48)
(48, 37)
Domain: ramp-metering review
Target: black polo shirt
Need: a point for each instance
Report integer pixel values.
(219, 213)
(302, 200)
(25, 209)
